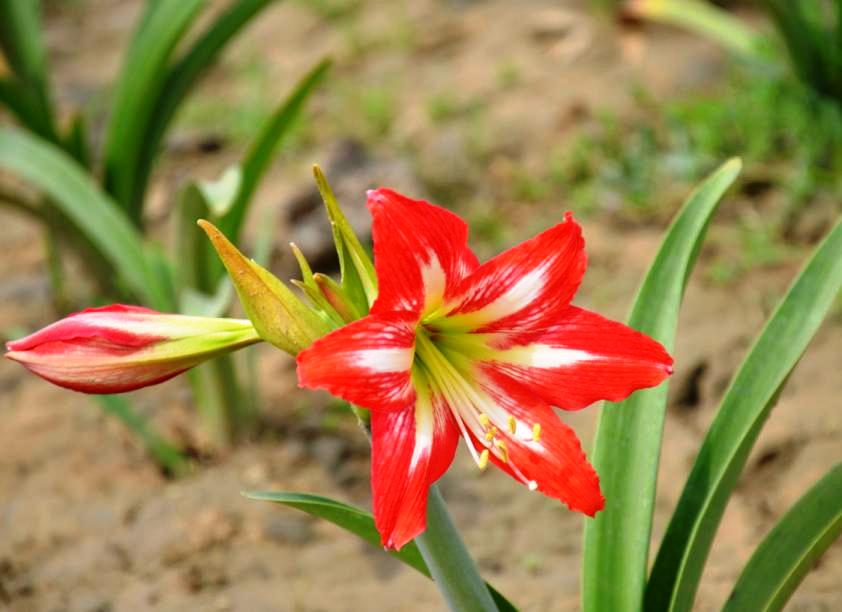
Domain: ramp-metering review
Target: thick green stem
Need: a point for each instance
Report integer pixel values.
(218, 398)
(452, 568)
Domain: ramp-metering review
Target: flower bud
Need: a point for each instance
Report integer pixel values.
(120, 348)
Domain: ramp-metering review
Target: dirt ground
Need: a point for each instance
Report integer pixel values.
(89, 524)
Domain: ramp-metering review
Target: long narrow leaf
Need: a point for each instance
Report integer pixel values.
(791, 549)
(181, 78)
(23, 48)
(18, 99)
(20, 39)
(141, 80)
(263, 148)
(94, 214)
(360, 523)
(628, 439)
(744, 410)
(704, 18)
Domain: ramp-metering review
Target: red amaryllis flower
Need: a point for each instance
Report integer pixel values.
(453, 348)
(121, 348)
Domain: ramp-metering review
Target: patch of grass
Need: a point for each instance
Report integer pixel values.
(755, 245)
(508, 75)
(332, 10)
(365, 111)
(789, 138)
(234, 120)
(378, 109)
(446, 106)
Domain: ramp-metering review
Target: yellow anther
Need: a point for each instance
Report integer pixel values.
(484, 420)
(504, 452)
(491, 434)
(512, 424)
(536, 432)
(483, 459)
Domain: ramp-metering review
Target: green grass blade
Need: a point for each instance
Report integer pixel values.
(75, 141)
(19, 100)
(263, 148)
(360, 523)
(191, 244)
(95, 216)
(628, 439)
(164, 453)
(702, 17)
(791, 549)
(181, 78)
(742, 413)
(140, 82)
(20, 39)
(23, 48)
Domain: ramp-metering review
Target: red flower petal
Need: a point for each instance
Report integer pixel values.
(411, 449)
(584, 358)
(525, 287)
(555, 463)
(94, 323)
(420, 252)
(367, 362)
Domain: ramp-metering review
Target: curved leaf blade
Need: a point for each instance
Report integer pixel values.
(360, 523)
(181, 78)
(628, 439)
(791, 549)
(94, 214)
(260, 152)
(139, 85)
(742, 413)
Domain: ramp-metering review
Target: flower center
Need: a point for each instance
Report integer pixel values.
(445, 361)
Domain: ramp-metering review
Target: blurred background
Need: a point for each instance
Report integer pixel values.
(508, 113)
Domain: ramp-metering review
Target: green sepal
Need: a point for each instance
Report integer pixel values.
(359, 281)
(277, 314)
(320, 303)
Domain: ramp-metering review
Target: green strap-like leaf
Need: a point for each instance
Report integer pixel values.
(628, 439)
(141, 80)
(181, 78)
(20, 38)
(702, 17)
(360, 523)
(791, 549)
(23, 48)
(260, 152)
(744, 409)
(93, 213)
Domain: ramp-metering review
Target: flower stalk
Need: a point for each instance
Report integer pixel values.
(449, 562)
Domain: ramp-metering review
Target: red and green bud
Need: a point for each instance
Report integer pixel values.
(120, 348)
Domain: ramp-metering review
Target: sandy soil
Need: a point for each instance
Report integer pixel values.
(87, 522)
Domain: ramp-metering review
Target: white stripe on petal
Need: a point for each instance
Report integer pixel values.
(434, 280)
(424, 428)
(385, 360)
(523, 292)
(544, 356)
